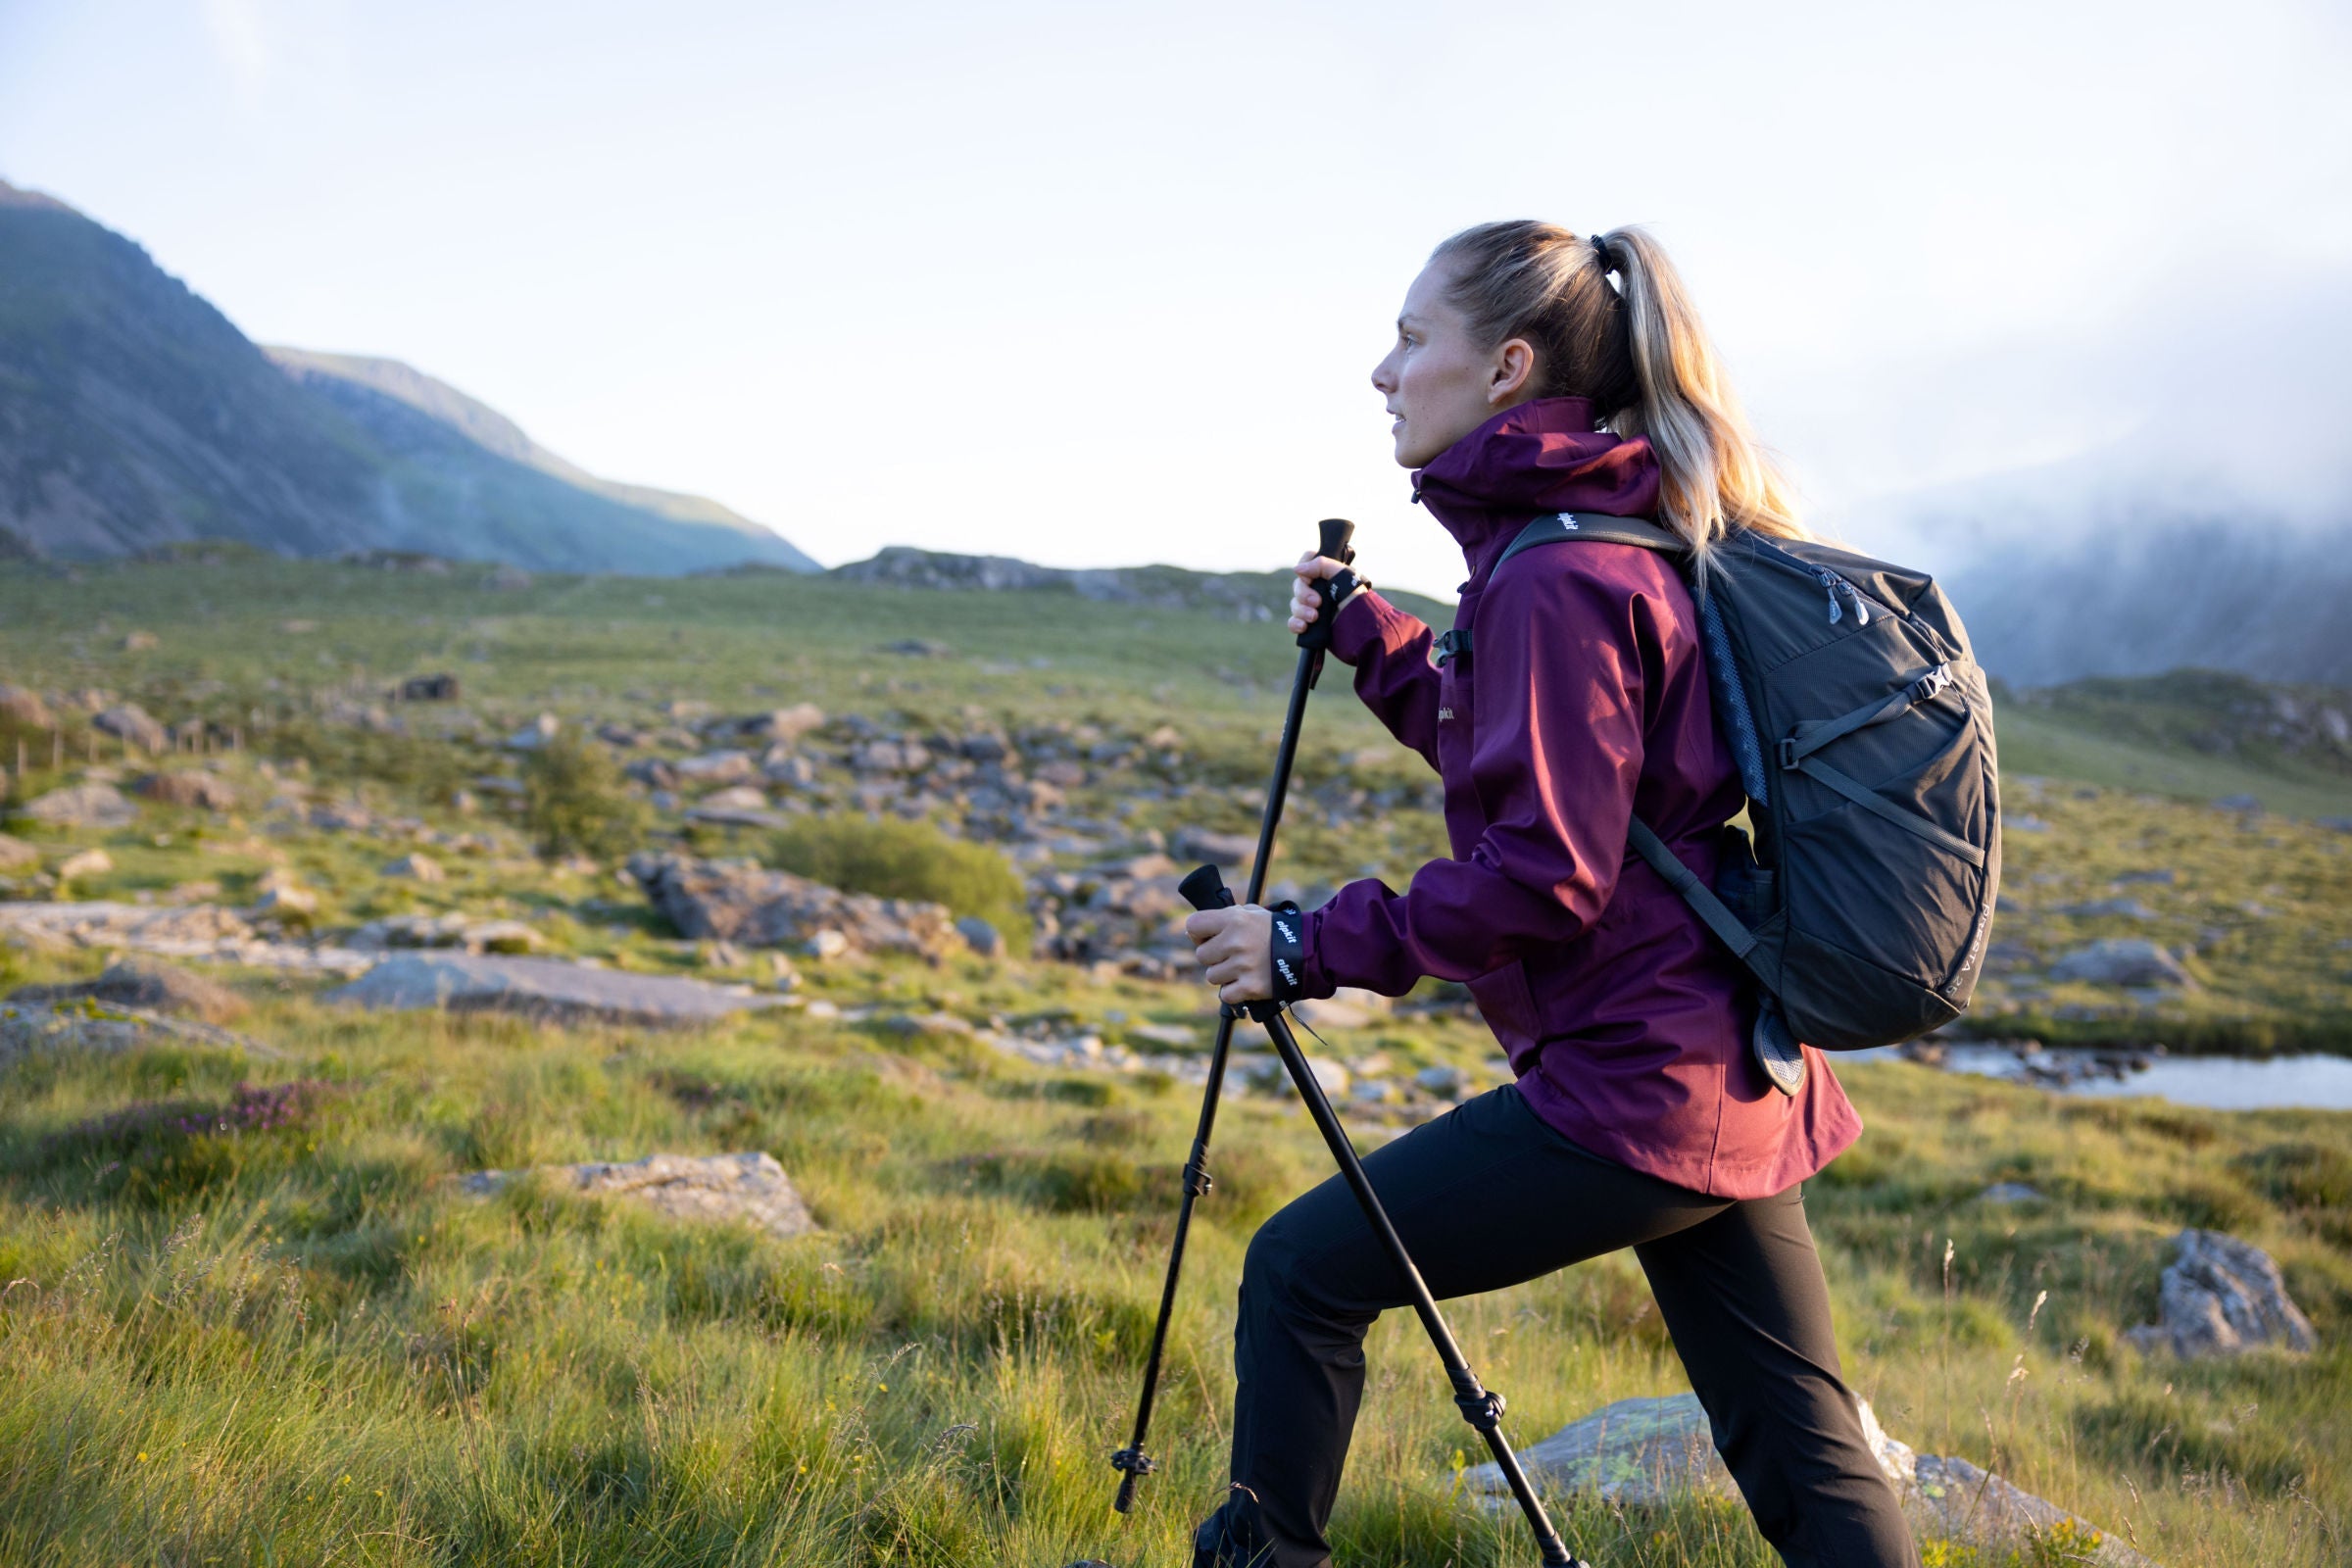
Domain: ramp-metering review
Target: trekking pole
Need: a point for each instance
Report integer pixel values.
(1132, 1462)
(1482, 1407)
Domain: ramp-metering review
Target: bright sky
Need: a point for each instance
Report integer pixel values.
(1096, 284)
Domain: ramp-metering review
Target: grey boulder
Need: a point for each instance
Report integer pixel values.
(750, 1189)
(189, 786)
(546, 988)
(1220, 848)
(1641, 1451)
(82, 806)
(741, 902)
(2122, 961)
(1650, 1450)
(2222, 1296)
(130, 722)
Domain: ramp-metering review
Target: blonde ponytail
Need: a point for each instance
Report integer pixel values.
(1640, 353)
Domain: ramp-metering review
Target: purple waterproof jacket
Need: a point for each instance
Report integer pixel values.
(1585, 702)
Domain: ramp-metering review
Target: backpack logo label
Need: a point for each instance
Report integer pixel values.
(1444, 714)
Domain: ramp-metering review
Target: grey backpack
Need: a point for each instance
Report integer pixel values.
(1863, 735)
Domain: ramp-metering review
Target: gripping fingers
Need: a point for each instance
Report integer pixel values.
(1306, 605)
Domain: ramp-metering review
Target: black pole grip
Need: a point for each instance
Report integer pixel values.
(1205, 889)
(1336, 533)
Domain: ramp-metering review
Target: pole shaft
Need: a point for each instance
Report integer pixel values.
(1130, 1463)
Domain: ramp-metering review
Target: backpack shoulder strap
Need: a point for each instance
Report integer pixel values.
(1597, 527)
(1553, 528)
(1602, 528)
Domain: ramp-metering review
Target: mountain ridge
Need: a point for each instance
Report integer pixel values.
(133, 413)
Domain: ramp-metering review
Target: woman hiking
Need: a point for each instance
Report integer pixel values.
(1535, 371)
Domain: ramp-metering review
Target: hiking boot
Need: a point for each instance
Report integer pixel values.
(1232, 1537)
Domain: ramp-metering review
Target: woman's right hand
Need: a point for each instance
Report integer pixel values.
(1306, 605)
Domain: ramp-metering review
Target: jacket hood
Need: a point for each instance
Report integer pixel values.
(1539, 457)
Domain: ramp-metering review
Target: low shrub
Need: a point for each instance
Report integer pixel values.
(895, 858)
(576, 802)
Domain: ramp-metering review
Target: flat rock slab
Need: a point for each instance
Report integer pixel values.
(87, 1024)
(1647, 1450)
(155, 987)
(750, 1188)
(543, 988)
(200, 931)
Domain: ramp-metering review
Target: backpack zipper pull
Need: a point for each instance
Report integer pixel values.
(1833, 584)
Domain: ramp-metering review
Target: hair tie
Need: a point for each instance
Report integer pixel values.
(1600, 251)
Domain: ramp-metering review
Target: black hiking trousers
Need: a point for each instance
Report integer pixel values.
(1489, 1196)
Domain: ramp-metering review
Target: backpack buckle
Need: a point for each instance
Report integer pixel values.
(1790, 760)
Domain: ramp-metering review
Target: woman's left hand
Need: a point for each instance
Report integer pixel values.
(1237, 948)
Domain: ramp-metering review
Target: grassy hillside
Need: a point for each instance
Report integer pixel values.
(251, 1339)
(2191, 734)
(301, 1344)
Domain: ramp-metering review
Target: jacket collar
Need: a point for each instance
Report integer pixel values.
(1542, 456)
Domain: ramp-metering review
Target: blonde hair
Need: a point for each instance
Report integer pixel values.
(1639, 352)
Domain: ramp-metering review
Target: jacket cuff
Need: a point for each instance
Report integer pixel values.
(1365, 621)
(1315, 980)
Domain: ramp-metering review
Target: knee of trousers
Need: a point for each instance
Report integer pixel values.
(1277, 1277)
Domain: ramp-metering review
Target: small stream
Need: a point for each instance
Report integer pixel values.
(2214, 1083)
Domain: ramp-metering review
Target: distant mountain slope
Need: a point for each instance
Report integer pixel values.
(132, 413)
(2156, 594)
(360, 384)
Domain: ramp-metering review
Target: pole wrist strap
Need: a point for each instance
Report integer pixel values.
(1287, 947)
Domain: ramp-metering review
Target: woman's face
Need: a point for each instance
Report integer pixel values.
(1440, 383)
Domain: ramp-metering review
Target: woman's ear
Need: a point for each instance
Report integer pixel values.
(1513, 368)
